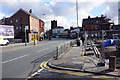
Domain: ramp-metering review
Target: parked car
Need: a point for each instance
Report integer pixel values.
(4, 41)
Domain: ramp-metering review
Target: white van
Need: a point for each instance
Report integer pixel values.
(4, 41)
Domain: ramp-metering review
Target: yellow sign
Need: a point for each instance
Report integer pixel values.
(1, 38)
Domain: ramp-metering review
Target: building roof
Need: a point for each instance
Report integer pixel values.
(115, 27)
(31, 14)
(103, 20)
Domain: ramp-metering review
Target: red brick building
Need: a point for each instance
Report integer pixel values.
(95, 25)
(23, 18)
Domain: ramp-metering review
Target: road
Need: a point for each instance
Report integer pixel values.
(21, 61)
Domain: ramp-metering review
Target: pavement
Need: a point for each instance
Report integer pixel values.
(74, 60)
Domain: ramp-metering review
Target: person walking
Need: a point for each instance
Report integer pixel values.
(83, 39)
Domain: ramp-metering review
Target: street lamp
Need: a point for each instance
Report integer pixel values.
(78, 41)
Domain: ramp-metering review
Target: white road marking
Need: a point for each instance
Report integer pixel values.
(35, 73)
(15, 58)
(42, 50)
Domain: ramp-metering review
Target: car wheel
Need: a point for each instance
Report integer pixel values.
(7, 43)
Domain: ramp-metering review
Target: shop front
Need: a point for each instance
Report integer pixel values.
(34, 36)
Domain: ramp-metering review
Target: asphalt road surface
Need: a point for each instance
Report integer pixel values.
(19, 61)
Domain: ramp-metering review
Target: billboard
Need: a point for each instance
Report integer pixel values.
(7, 31)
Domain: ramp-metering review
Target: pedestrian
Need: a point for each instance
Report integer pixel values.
(83, 39)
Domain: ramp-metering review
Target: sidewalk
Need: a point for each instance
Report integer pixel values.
(75, 61)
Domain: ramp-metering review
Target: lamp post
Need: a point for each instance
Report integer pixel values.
(25, 38)
(78, 41)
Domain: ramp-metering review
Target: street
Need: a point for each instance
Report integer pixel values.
(21, 61)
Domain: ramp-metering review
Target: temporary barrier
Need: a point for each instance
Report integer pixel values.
(63, 48)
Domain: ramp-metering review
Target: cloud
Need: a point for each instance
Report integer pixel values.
(111, 11)
(64, 11)
(2, 15)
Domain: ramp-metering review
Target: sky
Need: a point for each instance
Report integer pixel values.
(64, 11)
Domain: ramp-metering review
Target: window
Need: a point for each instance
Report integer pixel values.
(95, 27)
(16, 20)
(30, 19)
(92, 27)
(36, 21)
(11, 21)
(16, 27)
(34, 28)
(20, 27)
(95, 33)
(37, 29)
(92, 34)
(31, 28)
(2, 21)
(99, 28)
(97, 21)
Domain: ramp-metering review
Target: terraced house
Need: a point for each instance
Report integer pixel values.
(95, 25)
(22, 19)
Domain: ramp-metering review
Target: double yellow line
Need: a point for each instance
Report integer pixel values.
(43, 65)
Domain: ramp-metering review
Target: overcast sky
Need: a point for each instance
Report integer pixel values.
(64, 11)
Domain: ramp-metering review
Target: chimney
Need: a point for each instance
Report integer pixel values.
(102, 15)
(30, 11)
(88, 17)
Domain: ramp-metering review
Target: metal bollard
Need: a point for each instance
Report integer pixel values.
(70, 43)
(56, 54)
(64, 47)
(61, 50)
(112, 63)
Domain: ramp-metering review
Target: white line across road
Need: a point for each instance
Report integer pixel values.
(35, 73)
(15, 58)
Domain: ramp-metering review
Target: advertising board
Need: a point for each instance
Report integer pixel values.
(7, 31)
